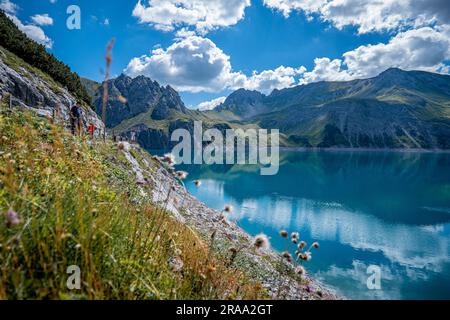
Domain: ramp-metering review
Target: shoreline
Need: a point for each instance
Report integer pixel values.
(260, 265)
(368, 150)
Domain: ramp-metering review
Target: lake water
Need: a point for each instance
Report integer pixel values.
(391, 210)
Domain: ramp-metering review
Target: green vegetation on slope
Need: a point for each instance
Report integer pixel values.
(35, 54)
(65, 201)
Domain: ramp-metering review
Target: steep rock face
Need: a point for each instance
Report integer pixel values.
(244, 103)
(128, 97)
(31, 89)
(169, 100)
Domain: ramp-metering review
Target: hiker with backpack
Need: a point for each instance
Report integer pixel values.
(76, 119)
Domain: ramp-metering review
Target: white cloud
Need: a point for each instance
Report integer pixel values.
(191, 64)
(418, 49)
(268, 80)
(204, 15)
(42, 20)
(369, 16)
(210, 105)
(33, 32)
(8, 6)
(195, 64)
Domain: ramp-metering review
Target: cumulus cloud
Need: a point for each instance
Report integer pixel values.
(418, 49)
(33, 31)
(369, 16)
(193, 63)
(212, 104)
(203, 15)
(8, 7)
(190, 64)
(42, 20)
(268, 80)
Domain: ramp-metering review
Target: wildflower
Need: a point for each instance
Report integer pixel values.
(261, 241)
(302, 245)
(306, 256)
(228, 209)
(12, 218)
(284, 234)
(78, 246)
(197, 183)
(315, 245)
(210, 269)
(300, 270)
(121, 146)
(181, 175)
(286, 255)
(295, 235)
(176, 264)
(169, 159)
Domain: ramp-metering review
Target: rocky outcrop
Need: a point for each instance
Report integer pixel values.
(129, 97)
(31, 89)
(244, 103)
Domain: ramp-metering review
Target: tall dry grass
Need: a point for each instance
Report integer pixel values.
(75, 203)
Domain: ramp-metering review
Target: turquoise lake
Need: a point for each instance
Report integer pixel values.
(391, 210)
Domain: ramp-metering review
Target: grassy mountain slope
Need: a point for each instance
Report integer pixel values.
(78, 205)
(396, 109)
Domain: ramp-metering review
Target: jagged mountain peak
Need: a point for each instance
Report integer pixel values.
(141, 95)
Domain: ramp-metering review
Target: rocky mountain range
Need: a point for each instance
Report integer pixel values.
(395, 110)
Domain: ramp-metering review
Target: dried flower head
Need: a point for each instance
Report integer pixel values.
(300, 271)
(307, 256)
(286, 255)
(302, 245)
(181, 175)
(197, 183)
(169, 159)
(261, 241)
(228, 209)
(284, 234)
(12, 218)
(295, 235)
(315, 245)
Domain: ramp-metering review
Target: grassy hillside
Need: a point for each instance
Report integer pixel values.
(65, 201)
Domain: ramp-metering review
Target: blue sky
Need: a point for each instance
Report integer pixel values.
(209, 48)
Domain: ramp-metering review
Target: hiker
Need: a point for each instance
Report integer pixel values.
(91, 130)
(75, 119)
